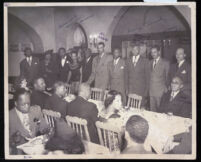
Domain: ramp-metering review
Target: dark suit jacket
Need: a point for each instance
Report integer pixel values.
(86, 110)
(117, 77)
(38, 98)
(179, 106)
(184, 72)
(87, 69)
(48, 72)
(56, 103)
(137, 78)
(62, 72)
(15, 124)
(29, 72)
(158, 78)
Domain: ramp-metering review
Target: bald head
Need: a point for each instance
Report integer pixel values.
(176, 84)
(84, 90)
(180, 55)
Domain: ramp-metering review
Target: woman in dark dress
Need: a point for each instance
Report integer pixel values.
(75, 74)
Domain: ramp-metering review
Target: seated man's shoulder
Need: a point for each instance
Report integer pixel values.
(35, 109)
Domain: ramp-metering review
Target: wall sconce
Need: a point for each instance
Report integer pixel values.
(93, 40)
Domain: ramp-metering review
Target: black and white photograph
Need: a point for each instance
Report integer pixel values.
(100, 80)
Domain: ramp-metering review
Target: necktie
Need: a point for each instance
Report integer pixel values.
(154, 64)
(172, 96)
(29, 61)
(27, 124)
(135, 61)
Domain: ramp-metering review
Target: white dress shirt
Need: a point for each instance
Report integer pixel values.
(135, 59)
(24, 118)
(173, 94)
(102, 55)
(181, 62)
(63, 60)
(155, 62)
(29, 60)
(88, 59)
(116, 61)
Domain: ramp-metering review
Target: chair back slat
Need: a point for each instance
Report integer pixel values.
(68, 88)
(96, 94)
(109, 136)
(50, 116)
(105, 95)
(75, 123)
(134, 101)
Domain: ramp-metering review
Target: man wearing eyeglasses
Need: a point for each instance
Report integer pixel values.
(176, 101)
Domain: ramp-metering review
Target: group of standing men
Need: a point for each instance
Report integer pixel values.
(137, 74)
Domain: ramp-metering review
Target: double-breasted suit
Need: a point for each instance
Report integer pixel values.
(158, 82)
(100, 71)
(117, 77)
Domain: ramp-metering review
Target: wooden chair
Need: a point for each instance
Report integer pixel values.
(134, 101)
(79, 126)
(68, 88)
(50, 116)
(109, 136)
(105, 94)
(96, 94)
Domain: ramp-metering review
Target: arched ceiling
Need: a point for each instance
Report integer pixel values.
(152, 19)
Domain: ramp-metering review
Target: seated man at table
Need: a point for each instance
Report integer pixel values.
(56, 102)
(84, 109)
(175, 101)
(136, 133)
(25, 121)
(38, 96)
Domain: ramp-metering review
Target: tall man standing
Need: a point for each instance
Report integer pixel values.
(29, 66)
(116, 70)
(99, 68)
(137, 74)
(182, 69)
(159, 69)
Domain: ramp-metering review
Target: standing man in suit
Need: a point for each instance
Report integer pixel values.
(159, 69)
(175, 101)
(56, 102)
(29, 66)
(116, 71)
(137, 74)
(181, 69)
(81, 108)
(87, 65)
(25, 121)
(38, 95)
(99, 68)
(63, 65)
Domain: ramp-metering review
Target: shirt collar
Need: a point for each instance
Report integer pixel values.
(157, 59)
(136, 58)
(116, 61)
(29, 58)
(181, 62)
(20, 114)
(102, 55)
(88, 59)
(174, 93)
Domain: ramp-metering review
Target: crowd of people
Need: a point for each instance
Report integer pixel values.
(164, 88)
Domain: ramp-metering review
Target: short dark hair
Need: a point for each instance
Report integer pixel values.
(110, 97)
(61, 48)
(101, 43)
(137, 127)
(19, 92)
(18, 81)
(27, 48)
(157, 47)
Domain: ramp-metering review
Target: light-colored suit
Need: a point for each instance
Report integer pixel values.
(117, 77)
(158, 82)
(36, 120)
(100, 71)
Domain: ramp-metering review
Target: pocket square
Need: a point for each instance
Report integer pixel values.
(122, 67)
(183, 72)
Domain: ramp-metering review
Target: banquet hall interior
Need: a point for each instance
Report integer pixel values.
(119, 30)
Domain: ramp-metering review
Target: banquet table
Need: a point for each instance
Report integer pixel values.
(162, 127)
